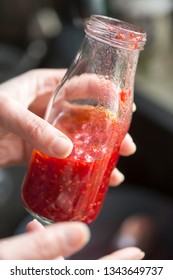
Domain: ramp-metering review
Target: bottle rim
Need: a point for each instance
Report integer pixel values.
(116, 32)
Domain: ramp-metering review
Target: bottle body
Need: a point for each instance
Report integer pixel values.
(93, 107)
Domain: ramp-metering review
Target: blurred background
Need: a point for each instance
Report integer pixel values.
(48, 33)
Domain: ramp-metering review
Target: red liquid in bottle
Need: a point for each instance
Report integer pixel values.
(74, 188)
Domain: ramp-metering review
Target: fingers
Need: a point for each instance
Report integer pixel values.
(128, 147)
(28, 85)
(39, 133)
(131, 253)
(134, 108)
(116, 178)
(33, 226)
(57, 239)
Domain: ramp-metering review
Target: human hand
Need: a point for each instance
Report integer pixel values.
(23, 101)
(55, 242)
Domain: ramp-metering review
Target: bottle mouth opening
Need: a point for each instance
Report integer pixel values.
(116, 32)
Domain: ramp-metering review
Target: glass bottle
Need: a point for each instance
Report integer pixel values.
(93, 107)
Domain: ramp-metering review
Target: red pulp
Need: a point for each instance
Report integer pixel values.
(74, 188)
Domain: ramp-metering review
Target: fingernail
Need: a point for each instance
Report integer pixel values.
(61, 147)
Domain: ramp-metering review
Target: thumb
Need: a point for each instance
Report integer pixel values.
(38, 132)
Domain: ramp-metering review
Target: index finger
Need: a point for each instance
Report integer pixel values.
(62, 239)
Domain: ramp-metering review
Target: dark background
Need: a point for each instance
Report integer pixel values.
(37, 34)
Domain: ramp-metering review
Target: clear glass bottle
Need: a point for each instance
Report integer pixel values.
(93, 107)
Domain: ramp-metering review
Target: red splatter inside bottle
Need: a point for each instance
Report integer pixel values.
(74, 188)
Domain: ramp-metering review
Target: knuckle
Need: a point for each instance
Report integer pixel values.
(43, 246)
(37, 130)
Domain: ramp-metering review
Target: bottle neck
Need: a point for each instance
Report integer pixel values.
(116, 33)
